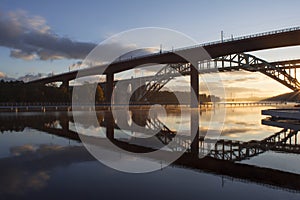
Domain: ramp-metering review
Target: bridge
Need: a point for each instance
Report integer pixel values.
(226, 55)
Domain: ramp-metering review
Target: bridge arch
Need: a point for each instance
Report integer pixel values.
(279, 71)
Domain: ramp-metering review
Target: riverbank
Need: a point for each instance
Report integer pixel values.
(19, 107)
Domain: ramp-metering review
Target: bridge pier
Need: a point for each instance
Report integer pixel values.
(64, 122)
(194, 132)
(194, 81)
(65, 84)
(109, 123)
(109, 88)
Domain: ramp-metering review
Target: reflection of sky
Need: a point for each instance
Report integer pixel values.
(77, 177)
(275, 160)
(36, 165)
(241, 123)
(28, 136)
(245, 124)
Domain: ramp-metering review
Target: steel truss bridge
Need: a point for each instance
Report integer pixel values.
(283, 72)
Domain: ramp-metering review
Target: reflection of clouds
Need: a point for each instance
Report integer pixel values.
(242, 123)
(235, 130)
(30, 149)
(29, 169)
(20, 150)
(38, 180)
(19, 182)
(16, 177)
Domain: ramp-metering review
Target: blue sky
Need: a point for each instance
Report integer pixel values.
(95, 20)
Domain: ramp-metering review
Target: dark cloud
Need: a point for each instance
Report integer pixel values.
(30, 37)
(17, 53)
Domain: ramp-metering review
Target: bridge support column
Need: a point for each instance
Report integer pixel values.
(65, 84)
(109, 88)
(194, 81)
(109, 123)
(195, 132)
(64, 122)
(66, 89)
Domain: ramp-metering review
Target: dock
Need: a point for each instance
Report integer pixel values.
(292, 113)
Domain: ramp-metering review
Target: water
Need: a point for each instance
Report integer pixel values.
(40, 159)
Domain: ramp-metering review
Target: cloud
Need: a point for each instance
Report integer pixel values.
(137, 52)
(17, 53)
(241, 89)
(30, 37)
(236, 80)
(76, 65)
(31, 77)
(2, 75)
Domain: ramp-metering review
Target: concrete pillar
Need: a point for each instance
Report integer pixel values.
(109, 87)
(195, 132)
(194, 87)
(66, 88)
(109, 124)
(64, 122)
(65, 84)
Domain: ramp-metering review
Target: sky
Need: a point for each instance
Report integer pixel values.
(38, 38)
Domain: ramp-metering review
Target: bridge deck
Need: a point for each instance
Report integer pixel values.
(268, 40)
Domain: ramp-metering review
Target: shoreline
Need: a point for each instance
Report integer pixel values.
(68, 107)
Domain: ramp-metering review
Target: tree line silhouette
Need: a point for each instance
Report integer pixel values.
(166, 97)
(20, 92)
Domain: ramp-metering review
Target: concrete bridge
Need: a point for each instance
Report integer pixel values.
(226, 55)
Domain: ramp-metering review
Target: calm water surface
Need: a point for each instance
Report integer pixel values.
(38, 160)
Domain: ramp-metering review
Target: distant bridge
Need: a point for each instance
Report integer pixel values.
(230, 53)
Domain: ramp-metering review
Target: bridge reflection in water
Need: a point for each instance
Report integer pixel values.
(222, 156)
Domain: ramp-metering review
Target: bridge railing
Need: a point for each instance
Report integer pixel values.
(20, 104)
(213, 43)
(242, 37)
